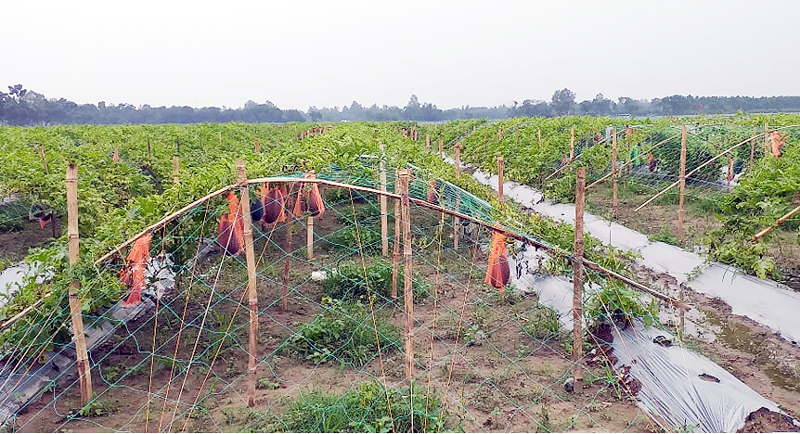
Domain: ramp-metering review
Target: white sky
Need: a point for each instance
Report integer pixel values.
(451, 53)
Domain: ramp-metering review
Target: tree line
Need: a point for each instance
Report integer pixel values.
(25, 107)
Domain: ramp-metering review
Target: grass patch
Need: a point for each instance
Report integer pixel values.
(343, 333)
(369, 408)
(348, 281)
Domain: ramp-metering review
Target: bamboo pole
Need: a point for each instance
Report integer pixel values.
(729, 175)
(257, 146)
(456, 220)
(383, 203)
(220, 139)
(500, 179)
(777, 223)
(441, 147)
(408, 293)
(572, 144)
(397, 235)
(577, 282)
(175, 170)
(615, 187)
(44, 159)
(766, 140)
(500, 134)
(682, 188)
(310, 230)
(85, 376)
(252, 294)
(427, 142)
(310, 238)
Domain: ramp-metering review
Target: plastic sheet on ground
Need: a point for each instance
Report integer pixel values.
(681, 388)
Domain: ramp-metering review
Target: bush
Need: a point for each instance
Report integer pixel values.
(348, 282)
(343, 333)
(365, 409)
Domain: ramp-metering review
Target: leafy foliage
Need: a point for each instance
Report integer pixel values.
(343, 333)
(369, 408)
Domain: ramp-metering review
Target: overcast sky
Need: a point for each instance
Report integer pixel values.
(298, 54)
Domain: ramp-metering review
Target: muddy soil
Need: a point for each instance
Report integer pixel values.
(15, 245)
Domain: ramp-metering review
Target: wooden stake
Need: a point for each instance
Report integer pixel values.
(149, 151)
(456, 220)
(383, 203)
(682, 187)
(572, 144)
(310, 238)
(310, 231)
(175, 169)
(82, 357)
(499, 134)
(258, 146)
(577, 282)
(729, 175)
(441, 147)
(615, 188)
(44, 159)
(427, 142)
(252, 294)
(500, 179)
(408, 293)
(220, 140)
(397, 222)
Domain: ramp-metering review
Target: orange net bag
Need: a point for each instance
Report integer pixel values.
(132, 273)
(498, 271)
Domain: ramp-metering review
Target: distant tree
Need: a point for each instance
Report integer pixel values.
(314, 114)
(563, 101)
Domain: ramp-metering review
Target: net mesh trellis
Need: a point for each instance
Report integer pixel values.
(492, 363)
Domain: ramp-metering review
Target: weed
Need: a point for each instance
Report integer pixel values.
(664, 236)
(542, 324)
(343, 332)
(348, 281)
(97, 407)
(363, 409)
(267, 383)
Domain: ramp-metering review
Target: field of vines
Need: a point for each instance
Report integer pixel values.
(488, 357)
(722, 217)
